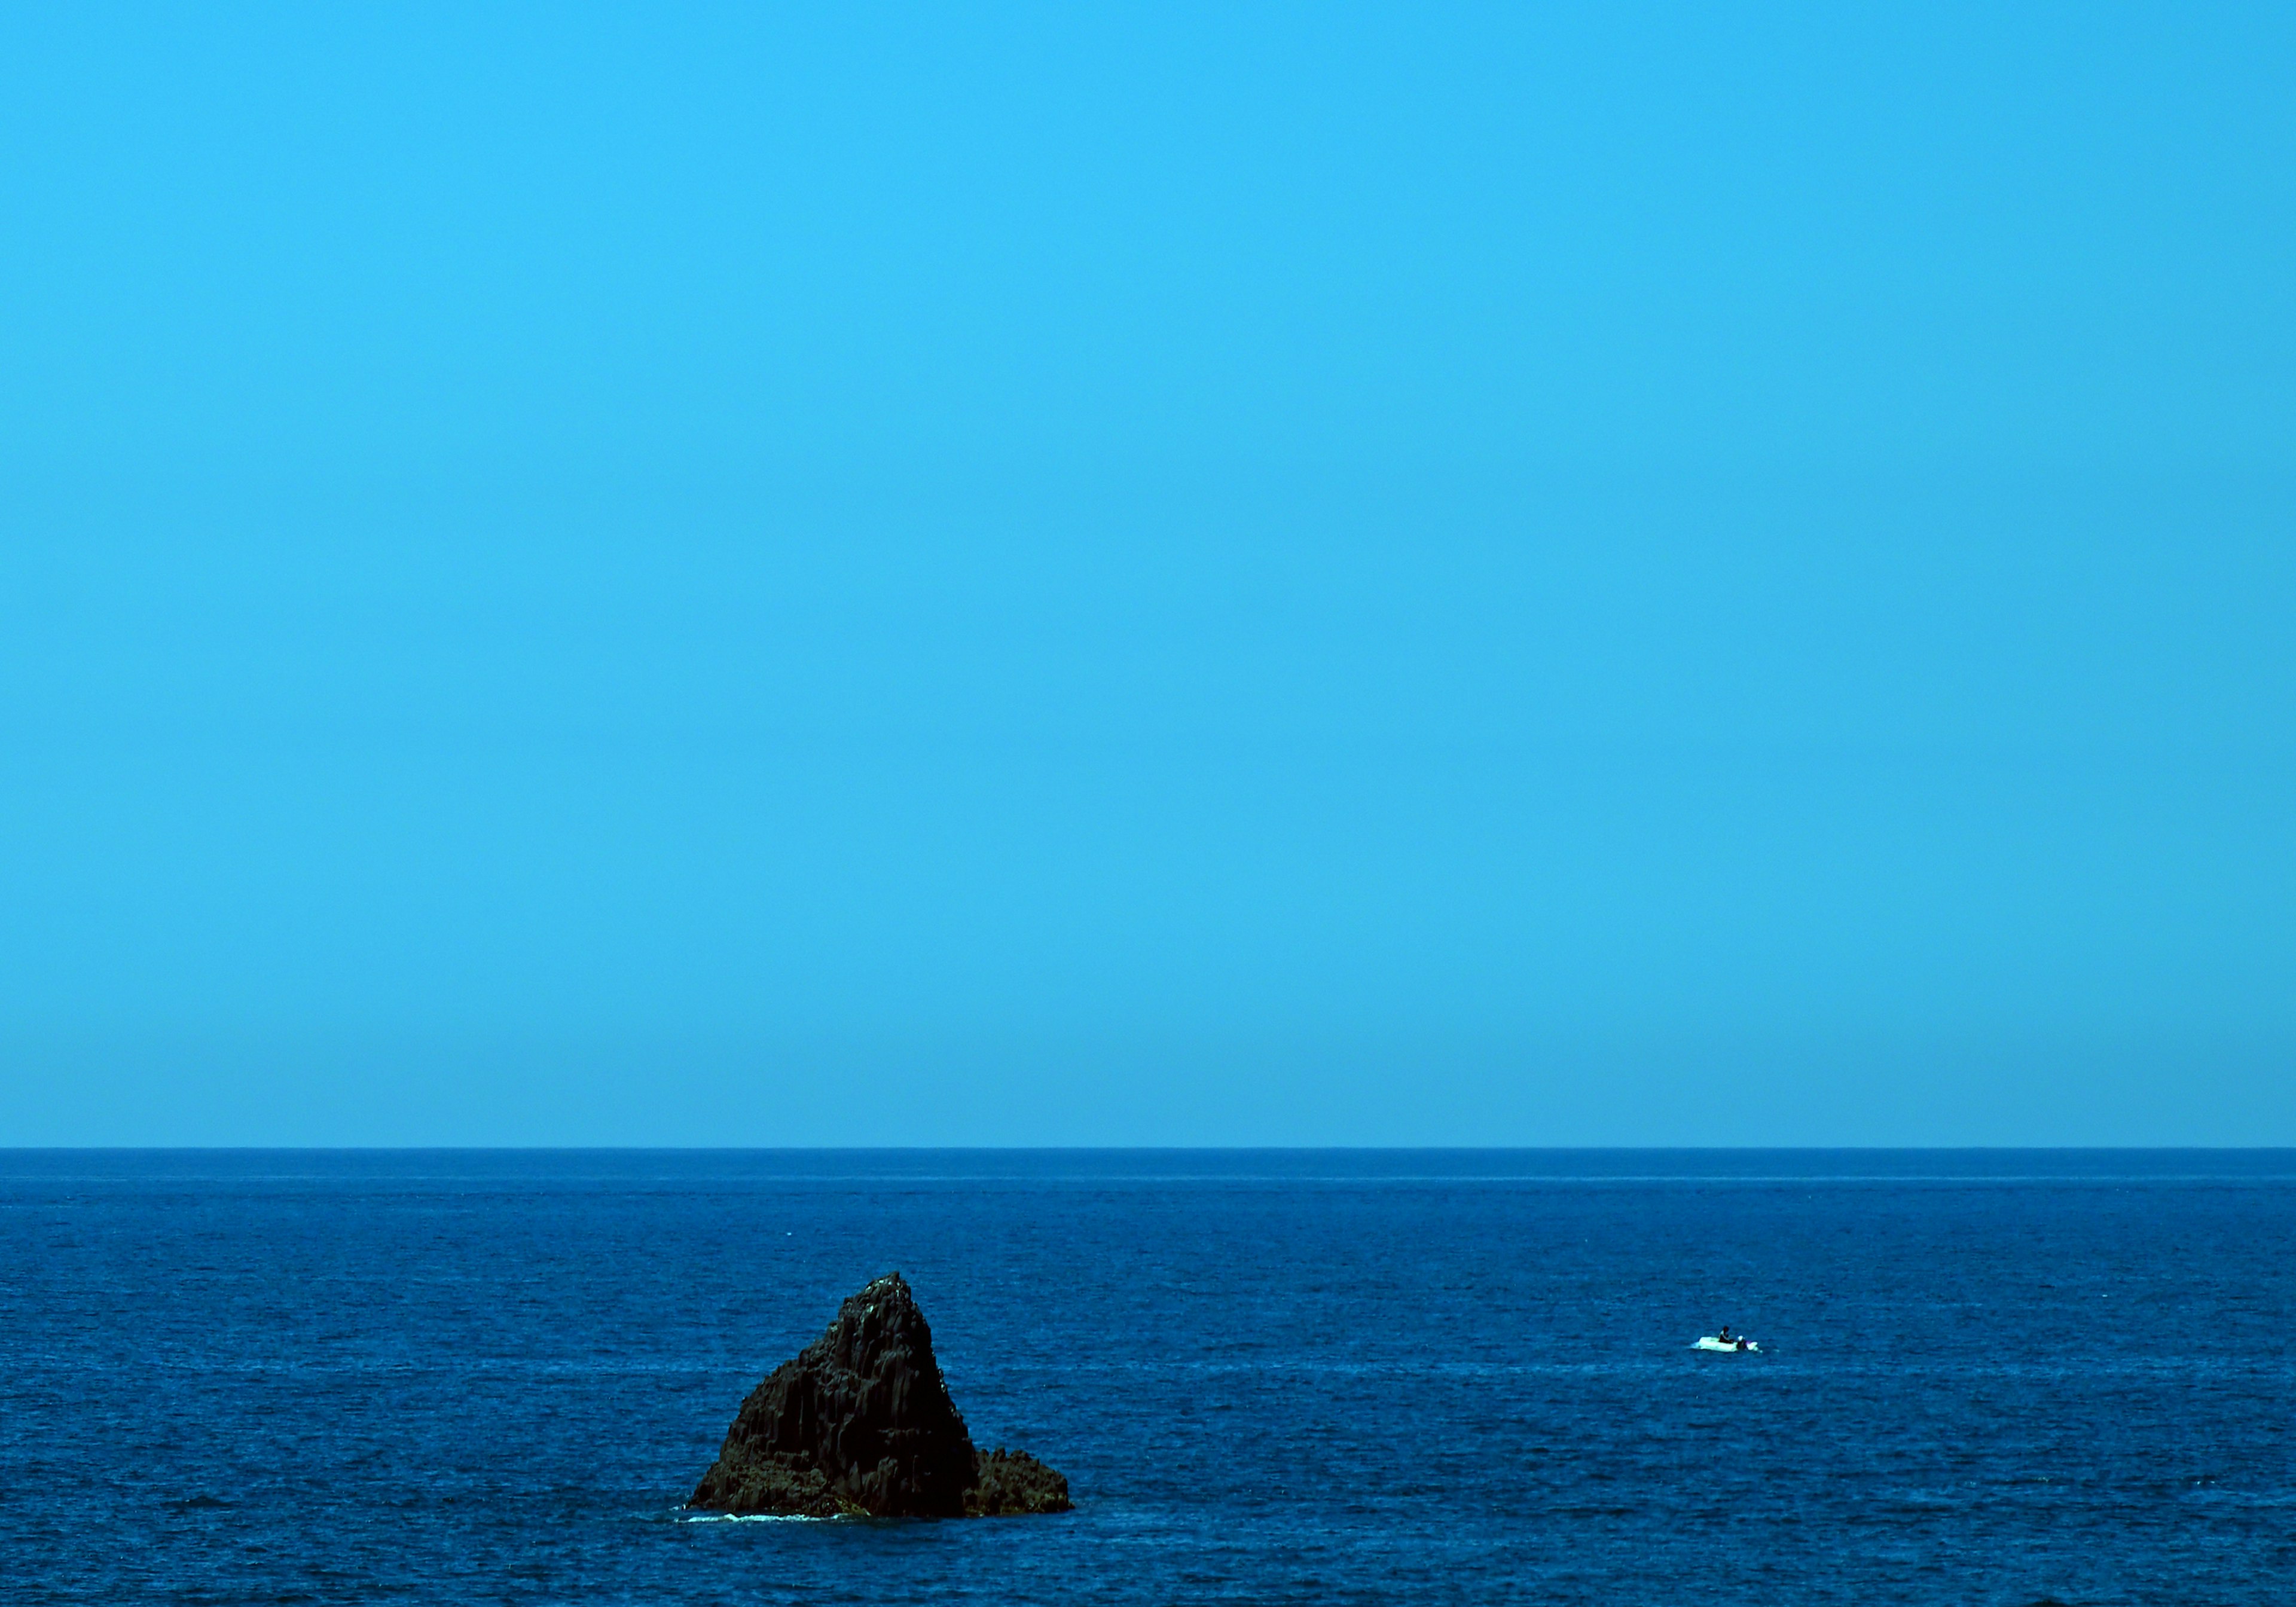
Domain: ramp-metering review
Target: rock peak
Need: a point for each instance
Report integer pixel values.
(860, 1422)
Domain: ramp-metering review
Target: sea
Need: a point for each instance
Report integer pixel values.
(1286, 1376)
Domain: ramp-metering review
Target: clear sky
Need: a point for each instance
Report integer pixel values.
(1324, 574)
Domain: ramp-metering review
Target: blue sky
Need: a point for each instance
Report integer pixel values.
(1161, 575)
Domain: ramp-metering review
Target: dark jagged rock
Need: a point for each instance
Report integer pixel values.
(861, 1423)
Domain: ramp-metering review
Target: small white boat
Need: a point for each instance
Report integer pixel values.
(1735, 1344)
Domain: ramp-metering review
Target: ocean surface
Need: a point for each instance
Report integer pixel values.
(1387, 1376)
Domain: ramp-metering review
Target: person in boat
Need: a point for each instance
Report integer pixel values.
(1726, 1333)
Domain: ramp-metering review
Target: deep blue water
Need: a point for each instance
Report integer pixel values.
(1271, 1377)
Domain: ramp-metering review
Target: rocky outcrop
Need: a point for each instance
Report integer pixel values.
(860, 1424)
(1011, 1484)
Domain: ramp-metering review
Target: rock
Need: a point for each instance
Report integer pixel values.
(861, 1423)
(1008, 1484)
